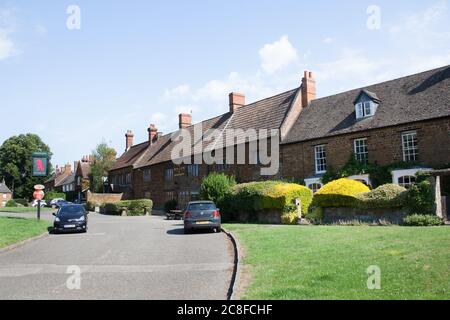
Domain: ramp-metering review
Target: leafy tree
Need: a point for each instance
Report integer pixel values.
(16, 164)
(105, 157)
(216, 186)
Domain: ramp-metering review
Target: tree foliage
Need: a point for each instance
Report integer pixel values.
(105, 157)
(16, 163)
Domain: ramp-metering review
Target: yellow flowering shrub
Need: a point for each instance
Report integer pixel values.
(339, 193)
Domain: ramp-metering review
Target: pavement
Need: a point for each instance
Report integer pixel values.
(119, 258)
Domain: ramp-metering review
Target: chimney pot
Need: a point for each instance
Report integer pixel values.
(129, 136)
(152, 133)
(237, 100)
(308, 88)
(184, 120)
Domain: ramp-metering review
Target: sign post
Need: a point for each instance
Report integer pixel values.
(40, 164)
(38, 195)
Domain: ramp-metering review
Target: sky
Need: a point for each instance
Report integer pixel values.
(78, 73)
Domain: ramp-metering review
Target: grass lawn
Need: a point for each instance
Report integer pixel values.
(24, 209)
(13, 230)
(330, 262)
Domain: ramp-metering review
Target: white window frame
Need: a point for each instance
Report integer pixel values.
(320, 151)
(361, 178)
(310, 182)
(364, 109)
(169, 174)
(362, 157)
(410, 146)
(193, 170)
(397, 174)
(4, 196)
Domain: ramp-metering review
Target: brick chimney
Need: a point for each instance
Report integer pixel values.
(184, 120)
(308, 88)
(128, 140)
(90, 159)
(152, 134)
(57, 170)
(67, 169)
(237, 100)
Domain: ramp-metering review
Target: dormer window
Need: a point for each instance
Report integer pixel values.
(365, 109)
(366, 104)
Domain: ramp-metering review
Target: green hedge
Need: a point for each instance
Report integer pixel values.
(11, 204)
(339, 193)
(133, 207)
(420, 198)
(386, 196)
(256, 197)
(49, 196)
(418, 220)
(22, 202)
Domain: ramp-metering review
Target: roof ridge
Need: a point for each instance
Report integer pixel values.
(383, 82)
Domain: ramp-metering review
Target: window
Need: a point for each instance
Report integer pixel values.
(147, 175)
(321, 159)
(410, 148)
(169, 174)
(406, 181)
(170, 195)
(193, 170)
(315, 187)
(222, 167)
(361, 150)
(128, 179)
(364, 109)
(4, 196)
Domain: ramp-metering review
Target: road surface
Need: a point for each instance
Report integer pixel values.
(120, 258)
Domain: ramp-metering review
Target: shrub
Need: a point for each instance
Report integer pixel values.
(315, 215)
(420, 198)
(90, 205)
(170, 205)
(289, 218)
(11, 204)
(216, 186)
(138, 207)
(419, 220)
(385, 196)
(49, 196)
(339, 193)
(112, 208)
(22, 202)
(257, 196)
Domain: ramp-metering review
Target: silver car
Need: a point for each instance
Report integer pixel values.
(201, 215)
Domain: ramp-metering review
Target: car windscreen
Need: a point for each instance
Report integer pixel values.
(71, 210)
(201, 206)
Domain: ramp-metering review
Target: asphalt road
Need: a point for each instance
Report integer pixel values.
(120, 258)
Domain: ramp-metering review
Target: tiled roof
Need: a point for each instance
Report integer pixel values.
(4, 188)
(67, 180)
(265, 114)
(414, 98)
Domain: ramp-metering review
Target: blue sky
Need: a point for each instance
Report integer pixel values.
(133, 63)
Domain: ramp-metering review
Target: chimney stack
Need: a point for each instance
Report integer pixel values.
(152, 133)
(75, 165)
(308, 88)
(128, 140)
(67, 169)
(57, 170)
(90, 159)
(237, 100)
(184, 120)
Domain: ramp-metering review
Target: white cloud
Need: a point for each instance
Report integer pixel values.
(275, 56)
(176, 92)
(328, 40)
(7, 46)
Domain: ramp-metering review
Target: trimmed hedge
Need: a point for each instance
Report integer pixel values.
(267, 196)
(339, 193)
(11, 204)
(419, 220)
(384, 197)
(54, 195)
(216, 186)
(133, 207)
(420, 198)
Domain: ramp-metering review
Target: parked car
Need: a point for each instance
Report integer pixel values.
(35, 203)
(60, 203)
(71, 218)
(201, 215)
(54, 201)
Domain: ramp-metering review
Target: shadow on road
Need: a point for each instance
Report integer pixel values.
(180, 232)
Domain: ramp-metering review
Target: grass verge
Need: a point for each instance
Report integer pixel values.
(13, 230)
(24, 209)
(331, 262)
